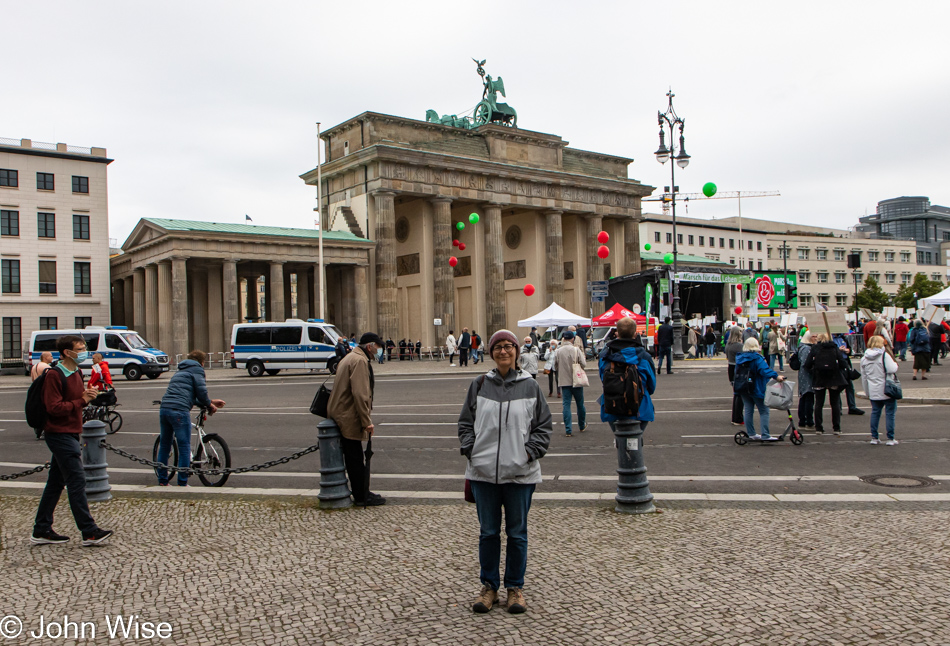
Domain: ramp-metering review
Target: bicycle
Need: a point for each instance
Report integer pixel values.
(209, 452)
(103, 408)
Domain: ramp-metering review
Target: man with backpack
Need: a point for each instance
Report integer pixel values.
(54, 403)
(629, 377)
(828, 368)
(476, 347)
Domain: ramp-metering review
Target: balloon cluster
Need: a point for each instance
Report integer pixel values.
(460, 226)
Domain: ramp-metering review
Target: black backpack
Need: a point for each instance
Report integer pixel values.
(826, 359)
(744, 381)
(794, 362)
(623, 389)
(36, 415)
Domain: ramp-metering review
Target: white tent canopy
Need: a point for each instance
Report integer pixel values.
(943, 298)
(554, 314)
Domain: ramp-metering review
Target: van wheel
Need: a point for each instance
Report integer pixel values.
(331, 365)
(133, 372)
(255, 368)
(272, 371)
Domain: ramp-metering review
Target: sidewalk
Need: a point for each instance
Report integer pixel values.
(919, 395)
(286, 573)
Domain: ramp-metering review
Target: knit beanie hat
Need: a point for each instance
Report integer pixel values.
(503, 335)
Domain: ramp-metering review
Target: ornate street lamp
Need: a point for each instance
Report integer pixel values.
(669, 120)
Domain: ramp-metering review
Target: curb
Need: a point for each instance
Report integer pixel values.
(944, 401)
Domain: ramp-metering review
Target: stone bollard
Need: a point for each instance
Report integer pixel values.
(334, 494)
(633, 488)
(94, 462)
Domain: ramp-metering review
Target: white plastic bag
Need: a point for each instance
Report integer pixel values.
(778, 394)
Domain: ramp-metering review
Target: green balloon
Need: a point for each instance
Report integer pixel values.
(709, 189)
(648, 246)
(668, 259)
(460, 226)
(473, 218)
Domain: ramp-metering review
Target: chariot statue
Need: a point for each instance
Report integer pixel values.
(488, 110)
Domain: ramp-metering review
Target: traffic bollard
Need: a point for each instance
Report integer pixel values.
(633, 488)
(94, 462)
(334, 494)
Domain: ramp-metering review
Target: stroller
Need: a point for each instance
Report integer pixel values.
(778, 396)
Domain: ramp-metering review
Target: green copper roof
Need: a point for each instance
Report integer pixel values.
(681, 258)
(252, 230)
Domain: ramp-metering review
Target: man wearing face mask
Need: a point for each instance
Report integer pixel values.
(64, 397)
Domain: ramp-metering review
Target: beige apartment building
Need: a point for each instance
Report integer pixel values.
(54, 240)
(719, 240)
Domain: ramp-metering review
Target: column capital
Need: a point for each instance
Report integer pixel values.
(551, 212)
(440, 199)
(383, 193)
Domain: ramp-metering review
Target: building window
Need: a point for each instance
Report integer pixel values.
(872, 256)
(751, 265)
(821, 254)
(47, 277)
(46, 225)
(905, 278)
(839, 255)
(80, 227)
(691, 240)
(929, 258)
(822, 276)
(82, 322)
(802, 254)
(722, 243)
(823, 299)
(888, 256)
(875, 275)
(81, 278)
(679, 238)
(702, 241)
(732, 260)
(920, 257)
(80, 184)
(44, 181)
(889, 278)
(9, 177)
(935, 277)
(905, 256)
(758, 245)
(760, 265)
(656, 236)
(10, 223)
(805, 300)
(669, 238)
(750, 245)
(858, 277)
(11, 337)
(10, 271)
(841, 300)
(839, 276)
(47, 322)
(804, 276)
(768, 253)
(732, 243)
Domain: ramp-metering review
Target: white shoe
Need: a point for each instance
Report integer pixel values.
(891, 442)
(451, 365)
(874, 440)
(755, 437)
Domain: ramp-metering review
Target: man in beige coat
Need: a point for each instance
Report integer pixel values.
(565, 357)
(351, 407)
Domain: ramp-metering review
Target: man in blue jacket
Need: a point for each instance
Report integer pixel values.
(185, 390)
(627, 349)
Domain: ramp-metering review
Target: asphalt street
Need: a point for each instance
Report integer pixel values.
(689, 448)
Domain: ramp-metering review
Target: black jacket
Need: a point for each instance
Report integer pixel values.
(835, 379)
(664, 335)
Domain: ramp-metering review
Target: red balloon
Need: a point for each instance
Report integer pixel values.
(453, 261)
(603, 237)
(455, 243)
(461, 246)
(603, 251)
(529, 289)
(738, 310)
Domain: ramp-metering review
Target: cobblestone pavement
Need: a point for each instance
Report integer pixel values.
(251, 572)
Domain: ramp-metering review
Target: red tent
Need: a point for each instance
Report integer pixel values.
(614, 314)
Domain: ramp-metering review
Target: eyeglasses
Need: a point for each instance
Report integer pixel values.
(505, 347)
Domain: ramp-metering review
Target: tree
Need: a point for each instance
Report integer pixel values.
(872, 297)
(922, 287)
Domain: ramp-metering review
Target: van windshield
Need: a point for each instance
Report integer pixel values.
(600, 332)
(135, 341)
(335, 333)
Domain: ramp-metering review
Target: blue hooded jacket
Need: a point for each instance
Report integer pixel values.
(760, 369)
(187, 388)
(630, 352)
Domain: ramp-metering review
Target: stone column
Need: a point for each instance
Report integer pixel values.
(151, 303)
(496, 314)
(303, 293)
(118, 302)
(443, 275)
(275, 299)
(179, 271)
(631, 246)
(595, 266)
(199, 309)
(138, 287)
(387, 321)
(232, 292)
(129, 302)
(288, 296)
(554, 246)
(165, 298)
(217, 341)
(361, 313)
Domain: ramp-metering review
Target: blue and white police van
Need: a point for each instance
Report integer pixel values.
(269, 348)
(123, 349)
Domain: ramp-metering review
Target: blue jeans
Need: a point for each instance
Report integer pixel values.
(567, 392)
(889, 406)
(751, 403)
(66, 470)
(900, 348)
(664, 351)
(709, 350)
(177, 424)
(490, 498)
(772, 358)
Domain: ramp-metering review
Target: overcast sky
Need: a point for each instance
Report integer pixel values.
(208, 108)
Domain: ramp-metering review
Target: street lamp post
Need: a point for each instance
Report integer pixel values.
(785, 249)
(678, 154)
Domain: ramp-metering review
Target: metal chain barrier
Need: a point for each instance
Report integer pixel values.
(209, 472)
(14, 476)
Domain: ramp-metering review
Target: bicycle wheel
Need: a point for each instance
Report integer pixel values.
(218, 457)
(113, 420)
(172, 456)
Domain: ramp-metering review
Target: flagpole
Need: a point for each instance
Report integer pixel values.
(319, 210)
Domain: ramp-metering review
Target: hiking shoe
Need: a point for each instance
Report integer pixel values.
(874, 440)
(516, 604)
(891, 443)
(96, 537)
(373, 500)
(485, 600)
(855, 411)
(48, 537)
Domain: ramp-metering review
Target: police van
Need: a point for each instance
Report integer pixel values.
(271, 347)
(123, 349)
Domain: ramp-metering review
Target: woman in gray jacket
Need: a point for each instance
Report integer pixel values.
(504, 429)
(806, 395)
(876, 365)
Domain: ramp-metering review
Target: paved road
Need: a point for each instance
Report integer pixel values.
(688, 449)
